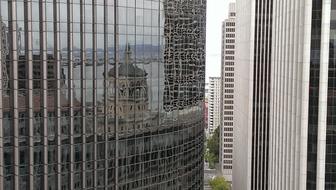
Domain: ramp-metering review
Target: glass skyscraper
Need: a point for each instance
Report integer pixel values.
(102, 94)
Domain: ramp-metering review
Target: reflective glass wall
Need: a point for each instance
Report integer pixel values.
(102, 94)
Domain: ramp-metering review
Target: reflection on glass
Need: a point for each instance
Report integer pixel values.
(119, 101)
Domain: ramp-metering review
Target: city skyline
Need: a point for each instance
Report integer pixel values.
(167, 94)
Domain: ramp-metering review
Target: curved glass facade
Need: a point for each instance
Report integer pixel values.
(102, 94)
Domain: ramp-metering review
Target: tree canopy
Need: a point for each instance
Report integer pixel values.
(212, 149)
(213, 144)
(219, 183)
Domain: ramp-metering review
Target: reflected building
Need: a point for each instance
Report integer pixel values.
(102, 94)
(4, 52)
(184, 54)
(132, 97)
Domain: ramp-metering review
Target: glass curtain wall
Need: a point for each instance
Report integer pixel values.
(102, 94)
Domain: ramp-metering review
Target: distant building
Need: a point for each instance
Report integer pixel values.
(214, 107)
(206, 107)
(206, 90)
(206, 116)
(227, 93)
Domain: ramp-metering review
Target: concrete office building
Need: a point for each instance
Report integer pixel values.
(102, 94)
(214, 104)
(301, 131)
(303, 96)
(252, 94)
(227, 93)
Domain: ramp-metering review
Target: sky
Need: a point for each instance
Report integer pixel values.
(217, 12)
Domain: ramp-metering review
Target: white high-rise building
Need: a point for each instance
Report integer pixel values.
(303, 96)
(227, 92)
(214, 104)
(252, 94)
(285, 103)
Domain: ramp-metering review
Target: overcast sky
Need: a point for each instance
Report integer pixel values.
(217, 11)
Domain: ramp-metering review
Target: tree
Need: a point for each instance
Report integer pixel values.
(212, 149)
(219, 183)
(211, 159)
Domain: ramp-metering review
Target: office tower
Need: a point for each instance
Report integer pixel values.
(102, 94)
(303, 96)
(213, 104)
(252, 94)
(227, 92)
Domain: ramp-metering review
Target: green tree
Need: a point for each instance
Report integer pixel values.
(212, 149)
(219, 183)
(212, 160)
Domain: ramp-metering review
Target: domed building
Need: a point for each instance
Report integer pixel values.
(132, 94)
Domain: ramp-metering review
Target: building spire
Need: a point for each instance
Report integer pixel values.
(128, 53)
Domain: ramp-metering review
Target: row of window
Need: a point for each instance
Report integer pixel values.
(229, 57)
(230, 29)
(230, 46)
(230, 41)
(228, 80)
(229, 63)
(229, 74)
(230, 35)
(228, 125)
(226, 167)
(227, 156)
(228, 101)
(228, 85)
(227, 140)
(228, 134)
(230, 24)
(229, 52)
(229, 69)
